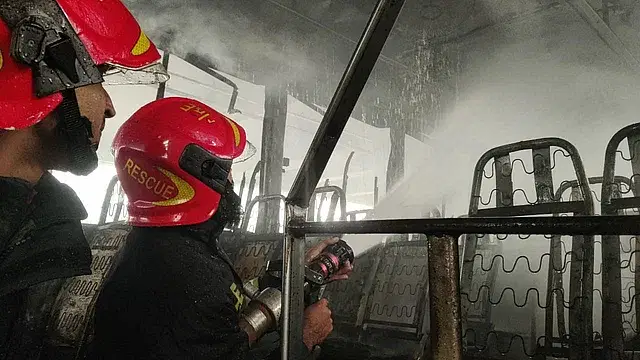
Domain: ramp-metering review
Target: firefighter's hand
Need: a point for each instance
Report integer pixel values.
(318, 323)
(315, 251)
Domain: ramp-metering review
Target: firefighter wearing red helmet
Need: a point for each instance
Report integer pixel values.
(174, 293)
(54, 56)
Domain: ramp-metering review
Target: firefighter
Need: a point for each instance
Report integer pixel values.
(174, 293)
(53, 56)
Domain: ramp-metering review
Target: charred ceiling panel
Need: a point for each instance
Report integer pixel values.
(307, 44)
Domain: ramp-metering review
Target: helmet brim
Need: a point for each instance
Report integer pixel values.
(150, 75)
(249, 152)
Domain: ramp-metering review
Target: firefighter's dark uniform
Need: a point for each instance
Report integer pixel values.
(41, 244)
(173, 296)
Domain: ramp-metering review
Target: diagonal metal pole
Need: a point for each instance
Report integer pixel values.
(333, 123)
(344, 100)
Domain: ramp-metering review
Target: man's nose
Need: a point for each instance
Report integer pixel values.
(110, 110)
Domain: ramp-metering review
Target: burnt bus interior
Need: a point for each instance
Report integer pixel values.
(542, 259)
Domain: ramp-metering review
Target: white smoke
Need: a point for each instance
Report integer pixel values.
(549, 76)
(225, 33)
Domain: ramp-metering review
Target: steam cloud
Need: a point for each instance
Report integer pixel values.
(550, 76)
(226, 33)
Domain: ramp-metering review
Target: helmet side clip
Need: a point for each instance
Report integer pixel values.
(55, 56)
(28, 42)
(210, 169)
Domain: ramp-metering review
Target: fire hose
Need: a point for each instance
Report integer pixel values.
(264, 310)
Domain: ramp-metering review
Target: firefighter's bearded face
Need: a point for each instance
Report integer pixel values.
(227, 215)
(230, 208)
(96, 105)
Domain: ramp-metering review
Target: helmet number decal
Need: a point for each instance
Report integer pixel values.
(193, 109)
(203, 114)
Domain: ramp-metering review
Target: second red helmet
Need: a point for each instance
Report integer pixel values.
(173, 158)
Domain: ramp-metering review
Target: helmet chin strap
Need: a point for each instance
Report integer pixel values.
(228, 214)
(76, 133)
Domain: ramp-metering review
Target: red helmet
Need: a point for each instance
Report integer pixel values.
(173, 158)
(50, 46)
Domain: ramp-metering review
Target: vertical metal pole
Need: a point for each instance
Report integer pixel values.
(611, 298)
(323, 198)
(612, 330)
(293, 289)
(332, 207)
(120, 204)
(345, 174)
(163, 86)
(375, 191)
(311, 210)
(395, 165)
(444, 298)
(578, 310)
(272, 155)
(586, 346)
(543, 179)
(243, 183)
(633, 141)
(560, 306)
(252, 184)
(548, 311)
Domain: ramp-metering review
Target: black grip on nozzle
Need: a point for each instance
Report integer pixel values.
(332, 260)
(317, 274)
